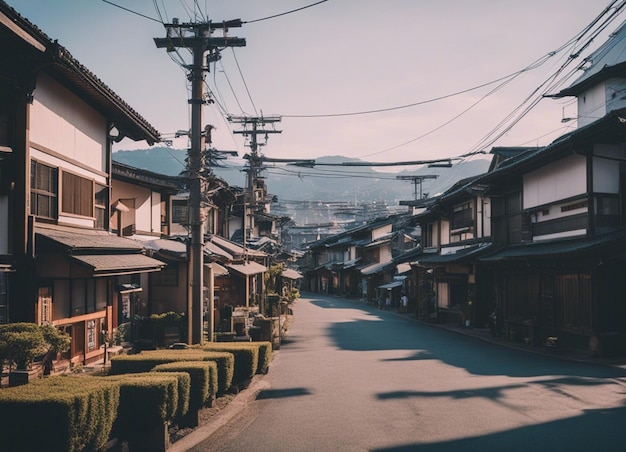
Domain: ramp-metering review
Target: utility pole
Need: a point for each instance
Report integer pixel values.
(255, 160)
(258, 124)
(197, 38)
(417, 180)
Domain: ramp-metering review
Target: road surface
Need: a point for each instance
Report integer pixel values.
(350, 377)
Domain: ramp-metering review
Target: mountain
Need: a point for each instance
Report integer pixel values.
(329, 181)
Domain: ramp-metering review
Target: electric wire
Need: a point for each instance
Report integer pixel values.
(243, 79)
(131, 11)
(551, 83)
(285, 13)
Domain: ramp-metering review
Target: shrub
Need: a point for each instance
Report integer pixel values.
(22, 342)
(246, 358)
(148, 359)
(203, 376)
(149, 399)
(69, 413)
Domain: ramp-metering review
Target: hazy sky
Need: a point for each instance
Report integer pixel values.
(341, 56)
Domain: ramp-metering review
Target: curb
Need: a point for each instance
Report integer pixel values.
(235, 407)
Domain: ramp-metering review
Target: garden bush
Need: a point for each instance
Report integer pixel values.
(246, 358)
(61, 413)
(148, 359)
(203, 379)
(149, 399)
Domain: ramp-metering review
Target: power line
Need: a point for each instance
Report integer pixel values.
(285, 13)
(244, 81)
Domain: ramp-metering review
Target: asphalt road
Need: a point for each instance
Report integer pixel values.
(351, 378)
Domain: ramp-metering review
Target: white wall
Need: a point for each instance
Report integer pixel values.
(606, 171)
(591, 105)
(445, 232)
(385, 253)
(484, 217)
(63, 123)
(383, 230)
(563, 179)
(147, 215)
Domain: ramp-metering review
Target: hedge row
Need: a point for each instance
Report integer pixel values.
(58, 414)
(203, 379)
(74, 413)
(147, 360)
(264, 352)
(150, 399)
(246, 358)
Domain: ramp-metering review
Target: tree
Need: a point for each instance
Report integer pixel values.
(22, 342)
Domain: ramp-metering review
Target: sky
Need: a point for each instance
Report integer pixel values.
(318, 66)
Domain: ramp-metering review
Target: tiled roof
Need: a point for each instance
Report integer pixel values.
(118, 263)
(84, 241)
(65, 67)
(613, 242)
(459, 256)
(608, 57)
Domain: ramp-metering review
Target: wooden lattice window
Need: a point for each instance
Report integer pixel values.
(78, 195)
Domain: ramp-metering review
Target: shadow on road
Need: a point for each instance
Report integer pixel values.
(383, 330)
(282, 393)
(593, 430)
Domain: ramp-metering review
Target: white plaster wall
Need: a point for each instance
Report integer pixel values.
(606, 171)
(563, 179)
(484, 205)
(445, 232)
(379, 232)
(145, 214)
(591, 104)
(60, 121)
(385, 254)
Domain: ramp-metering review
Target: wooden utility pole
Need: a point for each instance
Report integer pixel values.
(197, 38)
(258, 123)
(417, 180)
(255, 159)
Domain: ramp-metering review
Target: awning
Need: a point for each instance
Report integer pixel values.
(218, 270)
(461, 256)
(391, 285)
(610, 245)
(374, 268)
(117, 264)
(87, 241)
(129, 288)
(291, 274)
(403, 268)
(351, 263)
(248, 269)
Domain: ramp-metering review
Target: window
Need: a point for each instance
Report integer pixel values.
(44, 298)
(428, 236)
(462, 217)
(101, 201)
(78, 195)
(43, 190)
(180, 211)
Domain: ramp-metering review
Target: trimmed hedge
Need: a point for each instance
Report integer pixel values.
(149, 399)
(246, 358)
(148, 359)
(203, 379)
(61, 413)
(264, 347)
